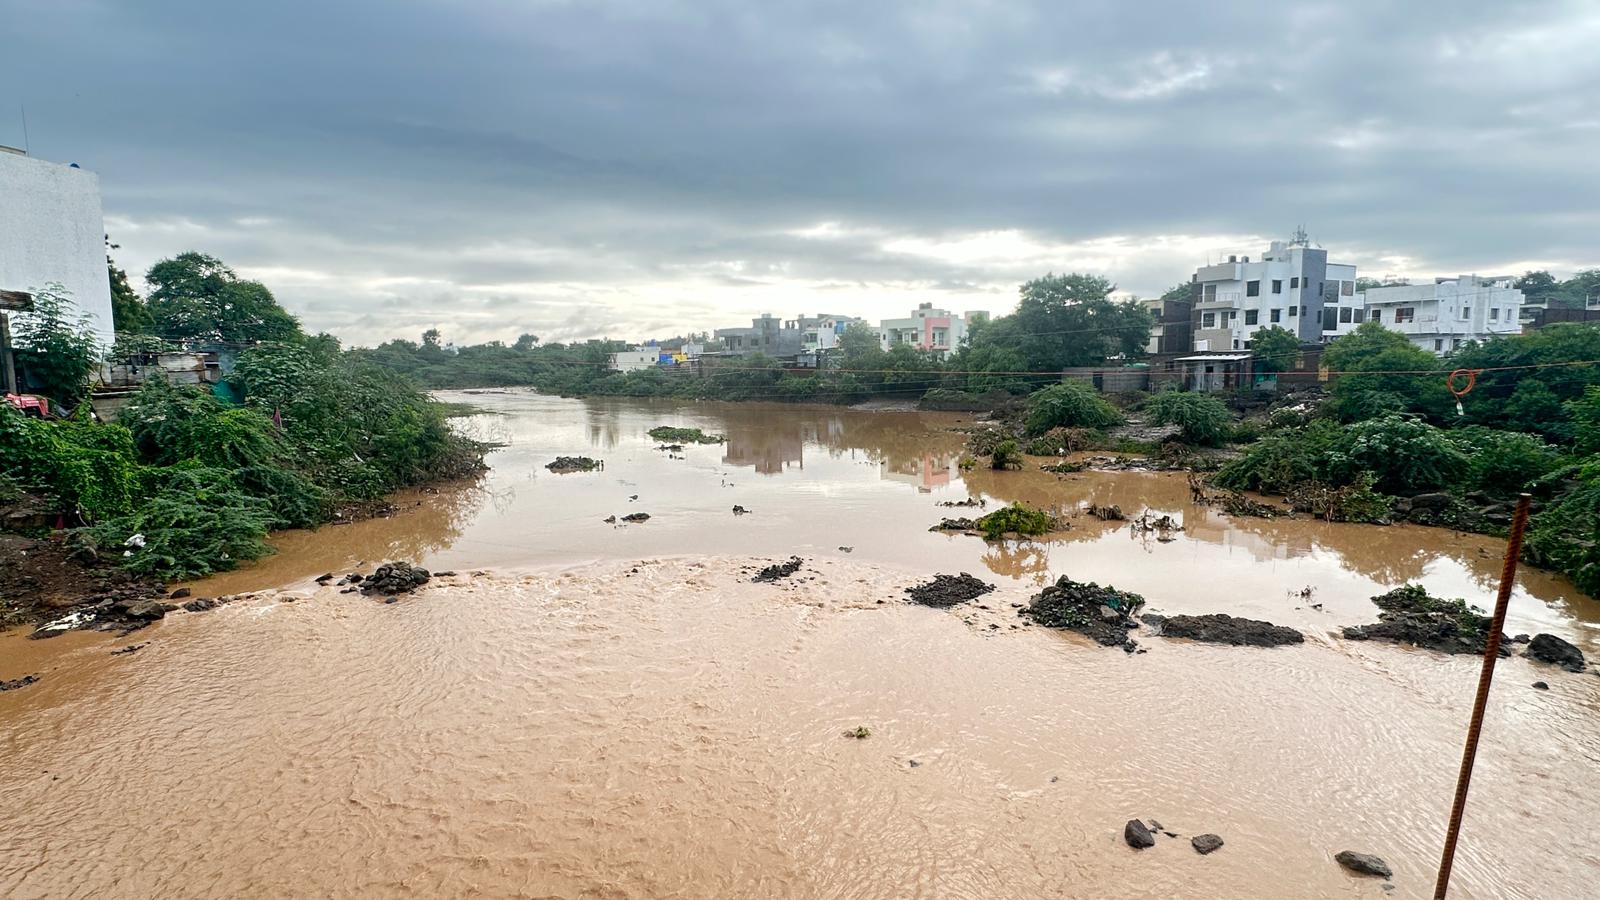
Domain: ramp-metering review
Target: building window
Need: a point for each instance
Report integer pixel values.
(1277, 315)
(1438, 344)
(1377, 315)
(1344, 314)
(1455, 344)
(1347, 288)
(1361, 316)
(1252, 288)
(1304, 310)
(1294, 282)
(1209, 294)
(1277, 285)
(1292, 311)
(1404, 314)
(1252, 316)
(1235, 345)
(1466, 312)
(1208, 320)
(1494, 313)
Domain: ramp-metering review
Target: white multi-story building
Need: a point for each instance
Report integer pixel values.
(1441, 316)
(823, 331)
(51, 231)
(937, 331)
(633, 360)
(1287, 287)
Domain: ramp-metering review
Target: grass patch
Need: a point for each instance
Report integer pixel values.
(670, 435)
(1015, 519)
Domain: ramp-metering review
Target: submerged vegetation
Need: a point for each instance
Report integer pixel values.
(1015, 519)
(671, 435)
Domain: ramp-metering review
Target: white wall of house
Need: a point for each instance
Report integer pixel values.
(631, 360)
(51, 230)
(938, 331)
(1442, 316)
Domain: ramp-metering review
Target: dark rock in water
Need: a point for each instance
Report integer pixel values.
(1411, 616)
(739, 510)
(179, 594)
(1223, 629)
(1363, 863)
(395, 578)
(1077, 606)
(610, 520)
(391, 600)
(1520, 639)
(1138, 836)
(779, 570)
(147, 610)
(201, 604)
(1205, 843)
(948, 590)
(1551, 649)
(324, 579)
(1540, 686)
(1106, 513)
(18, 683)
(962, 524)
(131, 648)
(444, 574)
(636, 517)
(574, 464)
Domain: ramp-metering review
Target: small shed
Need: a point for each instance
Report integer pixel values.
(1215, 371)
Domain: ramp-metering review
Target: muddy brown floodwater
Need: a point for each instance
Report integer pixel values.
(599, 711)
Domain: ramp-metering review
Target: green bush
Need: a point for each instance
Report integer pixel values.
(673, 435)
(1018, 519)
(1283, 459)
(1201, 418)
(1404, 455)
(1504, 462)
(1565, 535)
(1005, 456)
(1585, 413)
(89, 467)
(54, 350)
(1072, 404)
(198, 522)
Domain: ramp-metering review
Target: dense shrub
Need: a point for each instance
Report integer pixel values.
(1283, 459)
(1504, 461)
(1585, 413)
(56, 352)
(90, 468)
(1071, 403)
(1201, 418)
(1005, 455)
(198, 521)
(1404, 455)
(1565, 535)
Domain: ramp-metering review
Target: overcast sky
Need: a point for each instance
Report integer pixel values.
(643, 168)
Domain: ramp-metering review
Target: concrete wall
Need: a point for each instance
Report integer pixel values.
(51, 230)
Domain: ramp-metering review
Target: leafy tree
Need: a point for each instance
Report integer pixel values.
(1521, 388)
(1538, 285)
(1585, 413)
(57, 352)
(1201, 418)
(860, 347)
(1072, 404)
(1069, 320)
(525, 342)
(1375, 349)
(1273, 349)
(195, 296)
(128, 312)
(1504, 462)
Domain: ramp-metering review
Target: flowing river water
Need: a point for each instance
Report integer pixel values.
(599, 711)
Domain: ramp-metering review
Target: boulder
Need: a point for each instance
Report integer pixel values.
(1431, 502)
(179, 594)
(1363, 863)
(1137, 835)
(201, 604)
(147, 610)
(1206, 843)
(1551, 649)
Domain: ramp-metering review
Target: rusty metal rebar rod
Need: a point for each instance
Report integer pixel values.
(1491, 655)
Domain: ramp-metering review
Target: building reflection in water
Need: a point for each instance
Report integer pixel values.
(926, 472)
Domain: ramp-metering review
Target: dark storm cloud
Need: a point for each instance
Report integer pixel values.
(626, 168)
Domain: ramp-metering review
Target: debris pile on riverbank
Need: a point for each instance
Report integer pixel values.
(1102, 613)
(575, 464)
(636, 518)
(1218, 628)
(395, 578)
(1409, 615)
(17, 684)
(42, 578)
(779, 570)
(948, 590)
(670, 435)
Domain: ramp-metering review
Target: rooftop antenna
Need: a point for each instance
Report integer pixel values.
(24, 107)
(1300, 238)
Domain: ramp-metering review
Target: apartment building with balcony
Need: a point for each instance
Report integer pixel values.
(1288, 286)
(933, 330)
(1442, 316)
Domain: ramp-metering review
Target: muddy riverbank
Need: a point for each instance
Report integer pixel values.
(594, 709)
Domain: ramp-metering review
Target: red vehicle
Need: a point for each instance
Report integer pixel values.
(30, 404)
